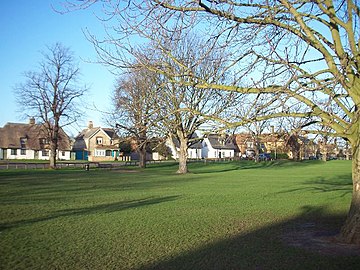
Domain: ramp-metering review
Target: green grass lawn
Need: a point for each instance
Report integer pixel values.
(220, 216)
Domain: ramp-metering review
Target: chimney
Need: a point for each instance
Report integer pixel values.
(272, 129)
(90, 125)
(32, 121)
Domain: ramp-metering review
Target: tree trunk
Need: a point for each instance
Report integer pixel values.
(143, 143)
(54, 146)
(295, 154)
(294, 147)
(257, 150)
(183, 156)
(324, 156)
(142, 156)
(350, 232)
(52, 157)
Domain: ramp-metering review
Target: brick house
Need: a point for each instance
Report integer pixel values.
(96, 144)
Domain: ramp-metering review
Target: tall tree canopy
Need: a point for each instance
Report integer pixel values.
(292, 51)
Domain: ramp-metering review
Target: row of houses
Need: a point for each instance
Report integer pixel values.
(28, 141)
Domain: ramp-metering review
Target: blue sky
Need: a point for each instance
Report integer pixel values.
(26, 28)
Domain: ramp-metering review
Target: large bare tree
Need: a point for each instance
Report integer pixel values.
(300, 51)
(185, 107)
(51, 94)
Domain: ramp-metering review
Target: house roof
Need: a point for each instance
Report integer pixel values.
(243, 138)
(195, 142)
(111, 133)
(87, 133)
(11, 134)
(221, 142)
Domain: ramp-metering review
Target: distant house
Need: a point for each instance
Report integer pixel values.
(245, 145)
(96, 144)
(30, 141)
(194, 150)
(218, 146)
(276, 143)
(249, 144)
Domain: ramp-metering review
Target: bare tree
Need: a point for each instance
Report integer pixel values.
(51, 94)
(301, 51)
(135, 107)
(185, 107)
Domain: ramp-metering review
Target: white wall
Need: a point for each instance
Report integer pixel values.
(194, 153)
(64, 155)
(157, 156)
(209, 152)
(29, 154)
(44, 157)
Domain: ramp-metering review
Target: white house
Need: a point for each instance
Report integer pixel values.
(194, 150)
(218, 146)
(29, 141)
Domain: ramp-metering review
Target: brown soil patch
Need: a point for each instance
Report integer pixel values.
(310, 237)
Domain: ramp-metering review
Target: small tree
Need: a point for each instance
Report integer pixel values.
(134, 108)
(50, 94)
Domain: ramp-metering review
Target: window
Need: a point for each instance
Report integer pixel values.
(45, 153)
(99, 153)
(23, 152)
(23, 143)
(99, 140)
(108, 153)
(13, 152)
(43, 141)
(63, 153)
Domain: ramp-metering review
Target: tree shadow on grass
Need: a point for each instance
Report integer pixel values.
(341, 184)
(300, 243)
(212, 167)
(96, 209)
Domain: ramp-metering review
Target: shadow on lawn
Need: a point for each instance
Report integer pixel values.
(299, 243)
(340, 183)
(212, 167)
(102, 208)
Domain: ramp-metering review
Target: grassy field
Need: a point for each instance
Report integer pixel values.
(220, 216)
